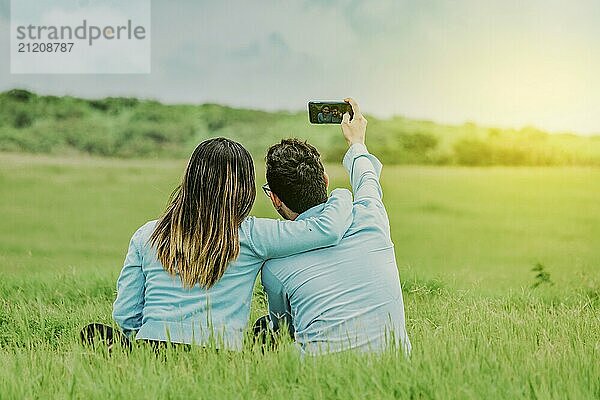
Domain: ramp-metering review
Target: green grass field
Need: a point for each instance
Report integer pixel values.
(466, 242)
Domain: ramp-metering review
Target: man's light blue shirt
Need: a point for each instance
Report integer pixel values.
(347, 296)
(151, 304)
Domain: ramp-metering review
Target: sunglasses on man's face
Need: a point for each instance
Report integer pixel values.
(267, 190)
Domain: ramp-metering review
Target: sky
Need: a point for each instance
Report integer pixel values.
(501, 63)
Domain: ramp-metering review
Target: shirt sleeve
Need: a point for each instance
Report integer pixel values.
(270, 238)
(364, 169)
(279, 306)
(129, 305)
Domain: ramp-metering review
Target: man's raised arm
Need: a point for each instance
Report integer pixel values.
(364, 168)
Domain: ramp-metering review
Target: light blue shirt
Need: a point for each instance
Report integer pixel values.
(154, 305)
(347, 296)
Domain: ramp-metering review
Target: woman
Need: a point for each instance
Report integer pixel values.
(188, 277)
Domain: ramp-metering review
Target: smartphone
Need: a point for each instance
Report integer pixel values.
(328, 112)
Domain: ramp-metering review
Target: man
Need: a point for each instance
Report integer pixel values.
(336, 116)
(342, 297)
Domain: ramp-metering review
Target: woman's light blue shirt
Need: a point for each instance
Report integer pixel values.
(151, 304)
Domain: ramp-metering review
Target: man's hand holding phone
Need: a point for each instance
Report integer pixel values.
(354, 130)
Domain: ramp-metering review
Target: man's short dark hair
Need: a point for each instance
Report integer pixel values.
(296, 175)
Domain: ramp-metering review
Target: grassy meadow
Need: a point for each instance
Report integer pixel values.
(483, 324)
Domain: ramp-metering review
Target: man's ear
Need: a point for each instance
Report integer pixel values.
(326, 179)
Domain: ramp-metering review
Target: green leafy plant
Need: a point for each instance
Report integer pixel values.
(542, 277)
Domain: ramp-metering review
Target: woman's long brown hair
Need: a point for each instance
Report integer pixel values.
(198, 235)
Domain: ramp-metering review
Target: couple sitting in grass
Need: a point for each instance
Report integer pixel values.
(329, 270)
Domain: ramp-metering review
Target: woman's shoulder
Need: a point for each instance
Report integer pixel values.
(147, 228)
(142, 235)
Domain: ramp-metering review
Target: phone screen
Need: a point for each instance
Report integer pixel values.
(328, 112)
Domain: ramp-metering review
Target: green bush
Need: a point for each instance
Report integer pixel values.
(22, 119)
(472, 152)
(20, 95)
